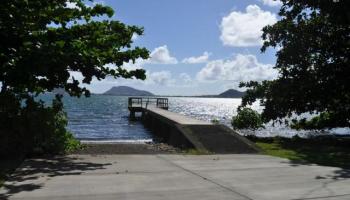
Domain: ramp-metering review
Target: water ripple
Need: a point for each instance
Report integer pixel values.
(106, 117)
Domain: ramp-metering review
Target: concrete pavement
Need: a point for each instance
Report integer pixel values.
(153, 177)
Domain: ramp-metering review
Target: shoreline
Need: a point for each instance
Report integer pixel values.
(115, 141)
(127, 148)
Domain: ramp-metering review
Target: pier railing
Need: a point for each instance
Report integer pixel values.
(135, 103)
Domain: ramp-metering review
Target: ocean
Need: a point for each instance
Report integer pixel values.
(105, 118)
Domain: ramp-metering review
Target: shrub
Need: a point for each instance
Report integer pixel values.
(247, 119)
(52, 136)
(215, 121)
(324, 120)
(12, 138)
(36, 129)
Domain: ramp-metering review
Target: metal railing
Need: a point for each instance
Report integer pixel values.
(144, 102)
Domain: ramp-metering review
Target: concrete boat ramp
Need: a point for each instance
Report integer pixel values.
(186, 132)
(174, 177)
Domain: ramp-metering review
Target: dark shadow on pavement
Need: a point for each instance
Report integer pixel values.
(340, 173)
(50, 166)
(337, 175)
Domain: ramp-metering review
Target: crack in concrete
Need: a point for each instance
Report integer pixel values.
(205, 178)
(323, 197)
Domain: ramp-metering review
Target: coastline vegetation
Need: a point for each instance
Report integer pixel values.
(324, 120)
(215, 121)
(247, 118)
(35, 130)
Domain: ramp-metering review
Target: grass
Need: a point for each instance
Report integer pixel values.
(7, 166)
(326, 151)
(195, 152)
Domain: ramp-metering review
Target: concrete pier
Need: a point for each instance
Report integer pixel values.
(186, 132)
(137, 104)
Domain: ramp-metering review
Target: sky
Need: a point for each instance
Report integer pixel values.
(197, 47)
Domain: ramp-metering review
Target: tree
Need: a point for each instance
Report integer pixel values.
(43, 42)
(313, 62)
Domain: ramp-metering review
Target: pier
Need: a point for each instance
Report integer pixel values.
(139, 104)
(186, 132)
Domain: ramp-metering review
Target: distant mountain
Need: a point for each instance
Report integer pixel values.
(60, 91)
(127, 91)
(231, 93)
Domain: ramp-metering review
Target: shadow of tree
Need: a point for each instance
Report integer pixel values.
(332, 151)
(341, 174)
(337, 175)
(49, 166)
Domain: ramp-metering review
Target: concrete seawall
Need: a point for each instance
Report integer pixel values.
(185, 132)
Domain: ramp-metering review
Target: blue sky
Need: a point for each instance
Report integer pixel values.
(197, 46)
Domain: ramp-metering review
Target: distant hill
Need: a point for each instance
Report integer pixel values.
(127, 91)
(60, 91)
(231, 93)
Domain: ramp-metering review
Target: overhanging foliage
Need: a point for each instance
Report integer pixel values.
(313, 61)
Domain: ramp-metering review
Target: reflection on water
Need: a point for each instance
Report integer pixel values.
(223, 109)
(103, 118)
(106, 117)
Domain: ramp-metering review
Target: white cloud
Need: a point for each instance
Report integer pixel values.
(165, 78)
(200, 59)
(242, 29)
(161, 55)
(134, 37)
(76, 75)
(98, 2)
(271, 3)
(71, 5)
(240, 68)
(160, 78)
(90, 4)
(185, 79)
(132, 66)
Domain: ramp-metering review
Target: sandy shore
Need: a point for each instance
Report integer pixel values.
(127, 148)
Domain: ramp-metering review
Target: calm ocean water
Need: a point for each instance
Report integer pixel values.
(106, 117)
